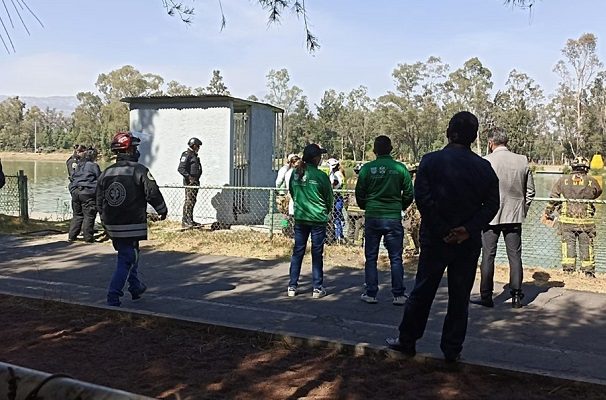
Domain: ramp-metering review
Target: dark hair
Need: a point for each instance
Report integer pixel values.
(463, 128)
(300, 167)
(382, 145)
(497, 136)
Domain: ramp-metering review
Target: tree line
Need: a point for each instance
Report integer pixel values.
(569, 122)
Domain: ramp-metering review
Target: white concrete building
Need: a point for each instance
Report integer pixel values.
(240, 141)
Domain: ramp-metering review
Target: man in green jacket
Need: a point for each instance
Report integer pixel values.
(384, 190)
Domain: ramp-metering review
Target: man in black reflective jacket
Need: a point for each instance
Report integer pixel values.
(123, 191)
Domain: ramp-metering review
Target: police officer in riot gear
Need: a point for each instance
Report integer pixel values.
(82, 188)
(72, 162)
(191, 170)
(576, 219)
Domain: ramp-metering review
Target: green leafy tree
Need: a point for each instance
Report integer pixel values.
(281, 94)
(468, 88)
(30, 126)
(302, 124)
(128, 82)
(331, 114)
(595, 123)
(11, 117)
(174, 88)
(412, 115)
(356, 124)
(87, 119)
(561, 114)
(216, 86)
(577, 70)
(519, 110)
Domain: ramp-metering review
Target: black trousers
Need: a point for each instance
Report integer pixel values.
(85, 211)
(512, 234)
(191, 196)
(462, 261)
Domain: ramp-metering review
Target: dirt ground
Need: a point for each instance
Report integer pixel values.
(179, 360)
(56, 156)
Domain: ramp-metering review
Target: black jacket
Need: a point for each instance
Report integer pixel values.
(2, 178)
(190, 167)
(123, 191)
(455, 187)
(71, 164)
(85, 177)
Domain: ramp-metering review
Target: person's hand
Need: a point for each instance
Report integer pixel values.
(547, 216)
(163, 217)
(456, 235)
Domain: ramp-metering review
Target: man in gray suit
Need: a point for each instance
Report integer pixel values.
(516, 188)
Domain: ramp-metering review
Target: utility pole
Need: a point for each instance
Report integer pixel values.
(35, 136)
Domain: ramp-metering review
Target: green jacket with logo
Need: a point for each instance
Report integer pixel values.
(312, 196)
(384, 188)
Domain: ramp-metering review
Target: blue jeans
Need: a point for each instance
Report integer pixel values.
(393, 237)
(318, 235)
(338, 217)
(126, 269)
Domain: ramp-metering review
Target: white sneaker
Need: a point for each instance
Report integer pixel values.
(318, 293)
(399, 300)
(292, 291)
(368, 299)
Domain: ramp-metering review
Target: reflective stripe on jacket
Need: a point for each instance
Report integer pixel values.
(123, 191)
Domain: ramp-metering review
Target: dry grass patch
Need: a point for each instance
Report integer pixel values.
(13, 225)
(253, 244)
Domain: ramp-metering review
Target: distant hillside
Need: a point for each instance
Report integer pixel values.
(67, 104)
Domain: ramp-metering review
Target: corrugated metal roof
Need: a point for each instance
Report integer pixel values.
(193, 99)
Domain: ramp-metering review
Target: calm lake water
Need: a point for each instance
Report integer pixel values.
(49, 195)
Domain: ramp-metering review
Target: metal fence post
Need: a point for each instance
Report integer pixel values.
(271, 213)
(23, 199)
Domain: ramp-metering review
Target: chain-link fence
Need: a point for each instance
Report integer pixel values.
(240, 210)
(14, 196)
(542, 240)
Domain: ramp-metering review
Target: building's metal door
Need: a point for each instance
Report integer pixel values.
(240, 171)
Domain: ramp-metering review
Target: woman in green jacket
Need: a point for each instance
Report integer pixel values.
(311, 191)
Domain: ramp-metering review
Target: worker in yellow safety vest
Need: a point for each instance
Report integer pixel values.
(576, 219)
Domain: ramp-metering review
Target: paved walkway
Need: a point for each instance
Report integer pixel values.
(560, 333)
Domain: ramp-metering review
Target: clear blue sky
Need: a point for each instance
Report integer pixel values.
(362, 41)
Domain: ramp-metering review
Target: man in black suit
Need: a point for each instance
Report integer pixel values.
(457, 193)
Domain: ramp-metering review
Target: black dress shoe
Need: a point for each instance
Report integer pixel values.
(516, 298)
(406, 349)
(452, 358)
(483, 301)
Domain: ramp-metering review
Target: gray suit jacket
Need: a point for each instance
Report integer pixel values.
(516, 185)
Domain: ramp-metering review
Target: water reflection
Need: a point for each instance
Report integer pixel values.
(47, 184)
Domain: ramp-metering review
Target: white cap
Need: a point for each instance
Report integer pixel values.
(291, 156)
(332, 162)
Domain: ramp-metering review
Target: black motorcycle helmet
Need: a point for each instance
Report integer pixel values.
(194, 142)
(91, 154)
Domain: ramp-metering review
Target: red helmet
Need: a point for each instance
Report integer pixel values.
(123, 141)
